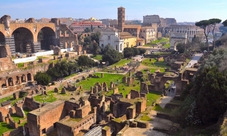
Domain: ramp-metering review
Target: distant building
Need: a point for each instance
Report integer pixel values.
(130, 40)
(133, 29)
(190, 30)
(118, 40)
(110, 22)
(79, 26)
(148, 34)
(148, 20)
(111, 36)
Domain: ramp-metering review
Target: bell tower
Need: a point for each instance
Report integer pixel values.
(121, 18)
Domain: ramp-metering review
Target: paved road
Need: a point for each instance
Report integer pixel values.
(194, 60)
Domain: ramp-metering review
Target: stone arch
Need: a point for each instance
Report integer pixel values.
(2, 39)
(176, 80)
(17, 80)
(23, 38)
(3, 52)
(175, 45)
(47, 38)
(29, 76)
(23, 78)
(177, 38)
(3, 83)
(10, 81)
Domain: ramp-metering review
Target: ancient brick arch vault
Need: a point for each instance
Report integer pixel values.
(27, 37)
(158, 81)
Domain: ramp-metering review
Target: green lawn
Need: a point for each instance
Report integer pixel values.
(9, 98)
(163, 40)
(124, 89)
(152, 97)
(97, 57)
(4, 128)
(86, 84)
(20, 65)
(157, 107)
(167, 45)
(121, 63)
(145, 118)
(154, 65)
(45, 98)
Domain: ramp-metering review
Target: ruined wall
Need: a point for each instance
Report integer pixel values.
(3, 113)
(67, 130)
(70, 106)
(44, 121)
(141, 106)
(19, 110)
(15, 132)
(83, 111)
(31, 104)
(6, 64)
(53, 115)
(134, 94)
(63, 130)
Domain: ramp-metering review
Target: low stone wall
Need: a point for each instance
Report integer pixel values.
(121, 133)
(15, 132)
(164, 116)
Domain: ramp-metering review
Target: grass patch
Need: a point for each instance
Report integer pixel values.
(121, 63)
(97, 57)
(152, 97)
(86, 84)
(45, 98)
(154, 65)
(164, 41)
(157, 107)
(167, 46)
(9, 98)
(4, 128)
(20, 65)
(17, 118)
(145, 118)
(125, 89)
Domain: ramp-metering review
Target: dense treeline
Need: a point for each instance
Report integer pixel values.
(64, 68)
(130, 52)
(206, 99)
(110, 55)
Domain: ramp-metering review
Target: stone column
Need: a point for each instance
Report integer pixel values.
(32, 77)
(19, 79)
(26, 78)
(37, 46)
(7, 84)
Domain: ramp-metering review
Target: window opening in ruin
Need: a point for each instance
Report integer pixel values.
(44, 131)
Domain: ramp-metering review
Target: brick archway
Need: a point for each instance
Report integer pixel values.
(29, 77)
(23, 78)
(10, 81)
(47, 38)
(23, 38)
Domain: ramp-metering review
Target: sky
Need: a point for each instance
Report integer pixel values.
(181, 10)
